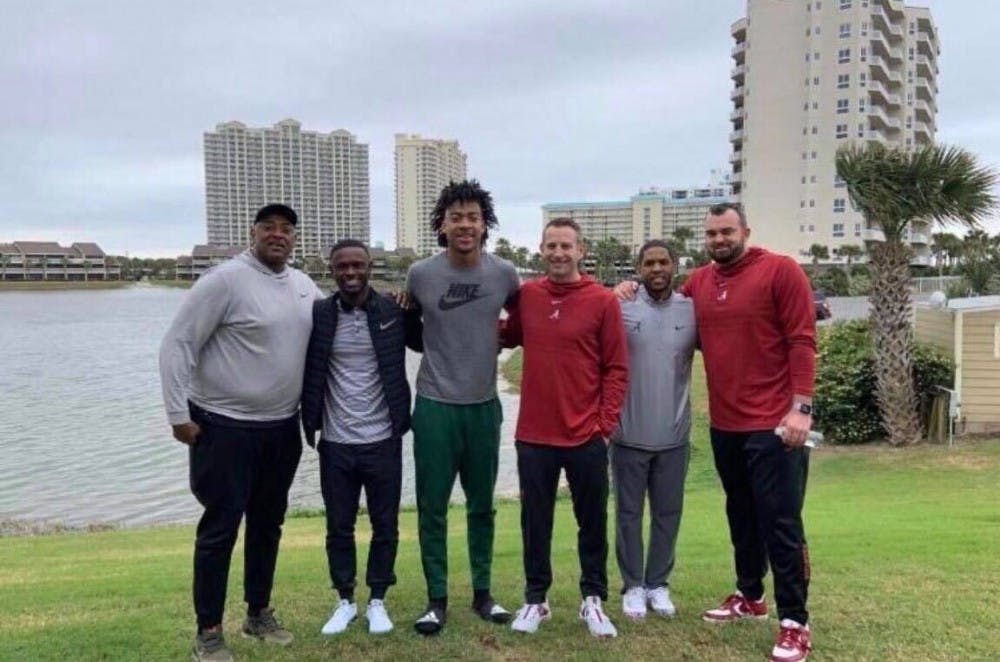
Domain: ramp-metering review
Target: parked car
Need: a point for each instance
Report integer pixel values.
(823, 311)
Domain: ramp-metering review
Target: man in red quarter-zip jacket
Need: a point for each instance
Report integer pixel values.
(573, 384)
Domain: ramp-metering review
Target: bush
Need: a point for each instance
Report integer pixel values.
(846, 410)
(861, 285)
(833, 282)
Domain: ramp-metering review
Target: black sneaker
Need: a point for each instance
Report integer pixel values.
(265, 626)
(432, 621)
(210, 646)
(490, 611)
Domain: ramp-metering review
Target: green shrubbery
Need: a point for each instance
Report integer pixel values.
(846, 410)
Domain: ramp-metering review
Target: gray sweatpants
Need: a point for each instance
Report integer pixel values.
(660, 474)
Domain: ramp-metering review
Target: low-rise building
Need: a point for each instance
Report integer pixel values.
(49, 261)
(202, 258)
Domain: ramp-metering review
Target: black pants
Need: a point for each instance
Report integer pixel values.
(239, 468)
(343, 470)
(538, 468)
(765, 488)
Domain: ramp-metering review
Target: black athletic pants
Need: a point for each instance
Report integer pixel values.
(343, 470)
(237, 468)
(765, 487)
(538, 468)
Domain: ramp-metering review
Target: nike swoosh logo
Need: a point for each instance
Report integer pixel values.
(449, 304)
(385, 325)
(303, 294)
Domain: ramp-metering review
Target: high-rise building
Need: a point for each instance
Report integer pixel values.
(810, 76)
(424, 166)
(651, 214)
(322, 176)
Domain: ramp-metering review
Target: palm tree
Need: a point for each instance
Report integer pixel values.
(892, 187)
(944, 246)
(818, 252)
(682, 236)
(504, 250)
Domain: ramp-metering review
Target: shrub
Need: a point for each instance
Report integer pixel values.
(861, 285)
(833, 282)
(846, 410)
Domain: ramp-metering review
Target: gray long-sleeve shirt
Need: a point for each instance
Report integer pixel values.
(237, 346)
(661, 342)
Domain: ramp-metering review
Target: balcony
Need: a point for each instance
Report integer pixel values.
(739, 29)
(876, 116)
(924, 91)
(872, 234)
(737, 73)
(739, 51)
(736, 136)
(737, 115)
(925, 67)
(736, 156)
(737, 93)
(922, 131)
(881, 70)
(920, 260)
(919, 238)
(881, 94)
(877, 136)
(927, 45)
(894, 8)
(923, 111)
(882, 21)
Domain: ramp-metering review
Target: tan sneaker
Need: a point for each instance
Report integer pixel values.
(210, 646)
(265, 626)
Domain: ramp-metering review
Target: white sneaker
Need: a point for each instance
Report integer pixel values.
(343, 614)
(660, 602)
(597, 621)
(378, 618)
(530, 616)
(634, 603)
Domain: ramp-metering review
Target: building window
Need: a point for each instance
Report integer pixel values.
(843, 81)
(841, 131)
(909, 121)
(845, 4)
(838, 182)
(864, 54)
(861, 105)
(819, 5)
(816, 30)
(861, 131)
(805, 106)
(857, 229)
(812, 228)
(802, 229)
(913, 28)
(807, 57)
(843, 106)
(862, 79)
(816, 80)
(909, 98)
(845, 30)
(812, 155)
(910, 53)
(815, 105)
(805, 155)
(815, 130)
(808, 31)
(838, 229)
(812, 179)
(807, 81)
(812, 203)
(802, 204)
(864, 28)
(844, 56)
(839, 205)
(803, 179)
(804, 131)
(816, 56)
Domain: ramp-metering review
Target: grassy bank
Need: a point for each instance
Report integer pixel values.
(50, 285)
(903, 547)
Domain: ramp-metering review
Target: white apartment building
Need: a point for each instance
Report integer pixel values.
(424, 166)
(650, 214)
(809, 76)
(322, 176)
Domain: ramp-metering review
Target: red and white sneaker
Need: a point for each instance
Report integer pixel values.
(736, 607)
(793, 643)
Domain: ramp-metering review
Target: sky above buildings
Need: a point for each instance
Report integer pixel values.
(104, 103)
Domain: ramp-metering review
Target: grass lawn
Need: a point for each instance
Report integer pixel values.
(904, 549)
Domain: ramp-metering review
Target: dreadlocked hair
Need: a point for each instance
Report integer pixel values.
(467, 190)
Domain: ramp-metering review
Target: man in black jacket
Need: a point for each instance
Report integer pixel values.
(356, 395)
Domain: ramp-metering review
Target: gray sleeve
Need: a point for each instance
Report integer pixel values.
(199, 316)
(513, 284)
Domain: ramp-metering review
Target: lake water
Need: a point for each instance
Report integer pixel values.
(83, 434)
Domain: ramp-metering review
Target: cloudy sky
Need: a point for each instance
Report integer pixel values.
(104, 103)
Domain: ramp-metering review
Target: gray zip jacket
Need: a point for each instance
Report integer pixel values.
(237, 346)
(661, 342)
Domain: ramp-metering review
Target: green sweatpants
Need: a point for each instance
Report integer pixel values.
(449, 440)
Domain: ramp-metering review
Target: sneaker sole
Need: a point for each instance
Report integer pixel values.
(334, 634)
(263, 638)
(733, 619)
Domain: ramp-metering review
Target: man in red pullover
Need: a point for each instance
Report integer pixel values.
(573, 384)
(757, 327)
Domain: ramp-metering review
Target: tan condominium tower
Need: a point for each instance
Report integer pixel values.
(322, 176)
(424, 166)
(808, 77)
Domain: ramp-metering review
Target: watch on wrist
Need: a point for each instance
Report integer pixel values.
(804, 408)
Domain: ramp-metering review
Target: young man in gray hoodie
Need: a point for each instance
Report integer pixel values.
(231, 367)
(650, 449)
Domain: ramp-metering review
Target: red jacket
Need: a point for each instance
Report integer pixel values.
(575, 364)
(757, 328)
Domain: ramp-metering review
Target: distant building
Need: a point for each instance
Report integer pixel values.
(808, 77)
(47, 260)
(323, 176)
(203, 258)
(424, 166)
(650, 214)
